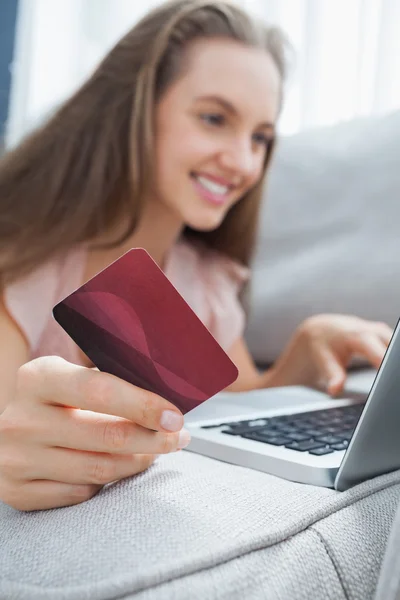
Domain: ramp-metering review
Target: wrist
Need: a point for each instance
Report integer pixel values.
(284, 373)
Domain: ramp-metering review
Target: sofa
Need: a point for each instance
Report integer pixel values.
(194, 527)
(329, 231)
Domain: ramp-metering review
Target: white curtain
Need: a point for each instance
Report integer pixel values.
(345, 60)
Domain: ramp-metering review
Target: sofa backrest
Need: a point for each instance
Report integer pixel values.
(330, 231)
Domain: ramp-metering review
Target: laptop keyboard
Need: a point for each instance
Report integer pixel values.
(318, 432)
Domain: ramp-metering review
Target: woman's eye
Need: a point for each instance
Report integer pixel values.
(260, 138)
(212, 118)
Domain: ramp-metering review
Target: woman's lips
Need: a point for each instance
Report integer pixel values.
(212, 196)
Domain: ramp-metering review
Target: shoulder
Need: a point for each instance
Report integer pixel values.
(30, 299)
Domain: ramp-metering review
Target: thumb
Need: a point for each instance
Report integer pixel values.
(332, 372)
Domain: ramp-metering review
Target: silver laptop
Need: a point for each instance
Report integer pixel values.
(310, 438)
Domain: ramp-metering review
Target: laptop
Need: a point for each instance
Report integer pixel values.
(306, 436)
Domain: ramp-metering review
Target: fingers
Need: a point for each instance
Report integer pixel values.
(78, 468)
(332, 373)
(370, 346)
(46, 494)
(93, 432)
(54, 454)
(57, 382)
(384, 332)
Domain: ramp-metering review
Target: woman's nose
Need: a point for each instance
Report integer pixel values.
(240, 158)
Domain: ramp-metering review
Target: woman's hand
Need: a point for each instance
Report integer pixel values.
(322, 347)
(53, 454)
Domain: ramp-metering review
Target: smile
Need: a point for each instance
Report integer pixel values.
(210, 190)
(212, 186)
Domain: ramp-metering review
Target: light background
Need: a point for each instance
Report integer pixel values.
(345, 64)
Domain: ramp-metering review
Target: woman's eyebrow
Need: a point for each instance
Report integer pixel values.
(229, 107)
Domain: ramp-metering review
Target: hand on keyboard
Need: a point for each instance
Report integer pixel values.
(322, 347)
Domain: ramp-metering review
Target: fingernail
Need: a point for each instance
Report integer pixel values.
(184, 438)
(334, 386)
(171, 420)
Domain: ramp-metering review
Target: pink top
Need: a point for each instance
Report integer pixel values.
(209, 283)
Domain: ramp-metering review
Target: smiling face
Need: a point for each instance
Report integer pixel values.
(214, 125)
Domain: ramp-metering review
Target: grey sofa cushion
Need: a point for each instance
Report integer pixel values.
(329, 231)
(354, 541)
(193, 527)
(389, 580)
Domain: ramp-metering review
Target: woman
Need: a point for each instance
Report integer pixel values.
(164, 147)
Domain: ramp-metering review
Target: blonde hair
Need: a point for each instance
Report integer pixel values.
(92, 162)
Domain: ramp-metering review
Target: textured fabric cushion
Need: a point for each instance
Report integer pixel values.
(193, 527)
(329, 231)
(389, 580)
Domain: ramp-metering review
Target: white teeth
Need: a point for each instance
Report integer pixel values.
(211, 186)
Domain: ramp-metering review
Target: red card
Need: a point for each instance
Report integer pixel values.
(132, 322)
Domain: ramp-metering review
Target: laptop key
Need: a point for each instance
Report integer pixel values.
(258, 423)
(288, 430)
(313, 433)
(304, 446)
(235, 424)
(301, 425)
(348, 426)
(298, 437)
(321, 451)
(236, 431)
(271, 431)
(343, 446)
(266, 439)
(346, 435)
(334, 430)
(241, 429)
(329, 439)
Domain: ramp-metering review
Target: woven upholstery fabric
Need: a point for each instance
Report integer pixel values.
(274, 572)
(356, 538)
(195, 527)
(389, 580)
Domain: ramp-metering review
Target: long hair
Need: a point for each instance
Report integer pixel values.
(92, 162)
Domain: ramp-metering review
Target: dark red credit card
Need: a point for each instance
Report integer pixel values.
(133, 323)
